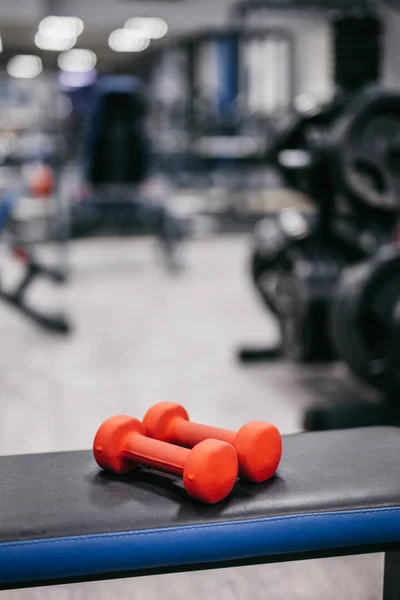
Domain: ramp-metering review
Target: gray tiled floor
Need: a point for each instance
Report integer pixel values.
(143, 336)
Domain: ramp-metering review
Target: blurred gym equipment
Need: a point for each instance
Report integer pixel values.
(33, 155)
(115, 163)
(331, 278)
(213, 96)
(365, 316)
(300, 132)
(231, 111)
(33, 269)
(222, 96)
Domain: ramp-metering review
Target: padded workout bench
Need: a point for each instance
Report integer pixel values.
(64, 520)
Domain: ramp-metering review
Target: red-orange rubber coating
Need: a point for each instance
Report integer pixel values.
(258, 445)
(209, 471)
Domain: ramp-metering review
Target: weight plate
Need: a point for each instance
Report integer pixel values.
(366, 150)
(300, 139)
(362, 315)
(304, 331)
(295, 272)
(272, 238)
(269, 242)
(303, 291)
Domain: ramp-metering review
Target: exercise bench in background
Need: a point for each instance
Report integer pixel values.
(33, 269)
(63, 520)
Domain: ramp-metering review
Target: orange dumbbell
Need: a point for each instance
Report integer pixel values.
(209, 471)
(258, 445)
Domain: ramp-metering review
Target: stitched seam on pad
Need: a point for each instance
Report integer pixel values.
(162, 531)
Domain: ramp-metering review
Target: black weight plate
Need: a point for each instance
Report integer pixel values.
(362, 313)
(264, 278)
(344, 318)
(290, 129)
(303, 293)
(269, 242)
(293, 306)
(365, 146)
(305, 336)
(300, 140)
(272, 238)
(295, 272)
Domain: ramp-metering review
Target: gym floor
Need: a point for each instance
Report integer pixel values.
(142, 336)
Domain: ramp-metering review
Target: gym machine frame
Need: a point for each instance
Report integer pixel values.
(33, 270)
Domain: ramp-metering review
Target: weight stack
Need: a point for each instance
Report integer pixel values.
(358, 48)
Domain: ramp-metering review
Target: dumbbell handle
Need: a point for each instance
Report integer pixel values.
(152, 453)
(189, 434)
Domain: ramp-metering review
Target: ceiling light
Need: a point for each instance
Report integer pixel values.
(77, 61)
(68, 25)
(128, 40)
(24, 66)
(55, 41)
(152, 27)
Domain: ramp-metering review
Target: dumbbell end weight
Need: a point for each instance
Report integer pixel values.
(259, 449)
(211, 471)
(109, 440)
(160, 421)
